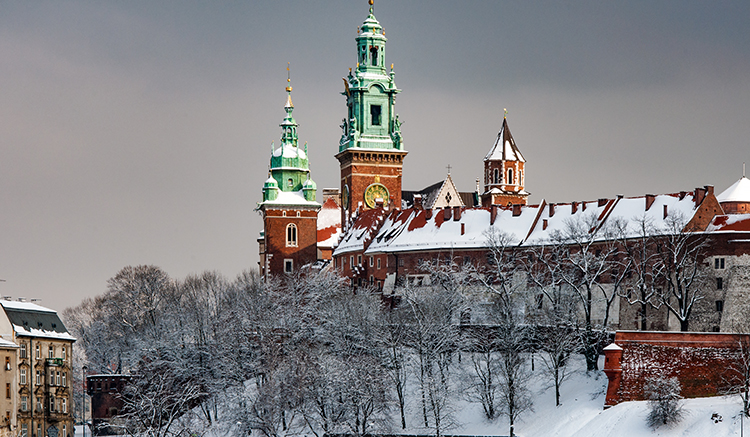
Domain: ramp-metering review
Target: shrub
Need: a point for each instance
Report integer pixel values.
(665, 406)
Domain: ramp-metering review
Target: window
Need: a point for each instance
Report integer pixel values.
(374, 56)
(57, 378)
(359, 260)
(7, 390)
(24, 403)
(288, 266)
(52, 404)
(298, 214)
(290, 183)
(64, 407)
(291, 235)
(38, 378)
(24, 429)
(351, 261)
(38, 352)
(375, 115)
(719, 305)
(51, 378)
(51, 353)
(64, 353)
(719, 283)
(719, 263)
(372, 279)
(496, 179)
(39, 428)
(65, 379)
(378, 263)
(401, 262)
(7, 363)
(23, 350)
(39, 405)
(65, 427)
(510, 175)
(23, 377)
(372, 261)
(283, 213)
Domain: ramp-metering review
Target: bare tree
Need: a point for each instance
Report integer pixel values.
(680, 254)
(665, 408)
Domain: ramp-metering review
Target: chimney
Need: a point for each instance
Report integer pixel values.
(649, 201)
(428, 213)
(683, 194)
(418, 201)
(583, 206)
(601, 202)
(544, 224)
(493, 214)
(516, 210)
(700, 194)
(709, 189)
(463, 228)
(573, 207)
(447, 213)
(551, 209)
(665, 211)
(456, 213)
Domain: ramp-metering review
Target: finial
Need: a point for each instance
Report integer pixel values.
(505, 112)
(371, 2)
(305, 147)
(391, 66)
(449, 169)
(288, 79)
(357, 30)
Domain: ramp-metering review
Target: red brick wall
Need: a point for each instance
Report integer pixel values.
(703, 362)
(361, 168)
(275, 233)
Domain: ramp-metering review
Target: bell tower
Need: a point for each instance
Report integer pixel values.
(289, 209)
(371, 150)
(504, 171)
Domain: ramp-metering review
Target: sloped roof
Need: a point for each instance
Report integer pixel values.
(416, 230)
(329, 224)
(290, 198)
(505, 147)
(32, 320)
(737, 192)
(730, 223)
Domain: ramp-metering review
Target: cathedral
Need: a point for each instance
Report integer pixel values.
(373, 232)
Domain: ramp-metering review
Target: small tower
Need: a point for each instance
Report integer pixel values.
(371, 150)
(289, 209)
(504, 172)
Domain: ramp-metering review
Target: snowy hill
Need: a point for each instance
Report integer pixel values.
(582, 414)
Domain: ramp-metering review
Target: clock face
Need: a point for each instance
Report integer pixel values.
(345, 197)
(376, 191)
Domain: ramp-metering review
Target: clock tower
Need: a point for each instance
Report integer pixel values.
(371, 150)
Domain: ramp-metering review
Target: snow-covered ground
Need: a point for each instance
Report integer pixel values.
(582, 414)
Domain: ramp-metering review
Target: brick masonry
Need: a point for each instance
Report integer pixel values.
(704, 363)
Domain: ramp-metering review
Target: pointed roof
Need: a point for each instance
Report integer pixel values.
(505, 146)
(737, 192)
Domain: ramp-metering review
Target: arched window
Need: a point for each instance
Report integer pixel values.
(374, 56)
(291, 235)
(496, 177)
(510, 175)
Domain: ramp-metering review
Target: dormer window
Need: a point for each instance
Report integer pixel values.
(375, 115)
(374, 56)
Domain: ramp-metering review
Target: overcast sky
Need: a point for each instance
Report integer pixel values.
(139, 132)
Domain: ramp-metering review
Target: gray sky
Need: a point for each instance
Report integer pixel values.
(139, 132)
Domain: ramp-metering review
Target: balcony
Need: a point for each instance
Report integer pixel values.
(58, 362)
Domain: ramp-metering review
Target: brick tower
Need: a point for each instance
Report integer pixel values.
(371, 151)
(289, 209)
(504, 172)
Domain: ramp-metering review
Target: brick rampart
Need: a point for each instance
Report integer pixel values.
(704, 363)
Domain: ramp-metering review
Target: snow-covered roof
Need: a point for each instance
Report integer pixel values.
(730, 223)
(289, 151)
(413, 230)
(293, 198)
(528, 225)
(361, 231)
(329, 224)
(32, 320)
(737, 192)
(505, 147)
